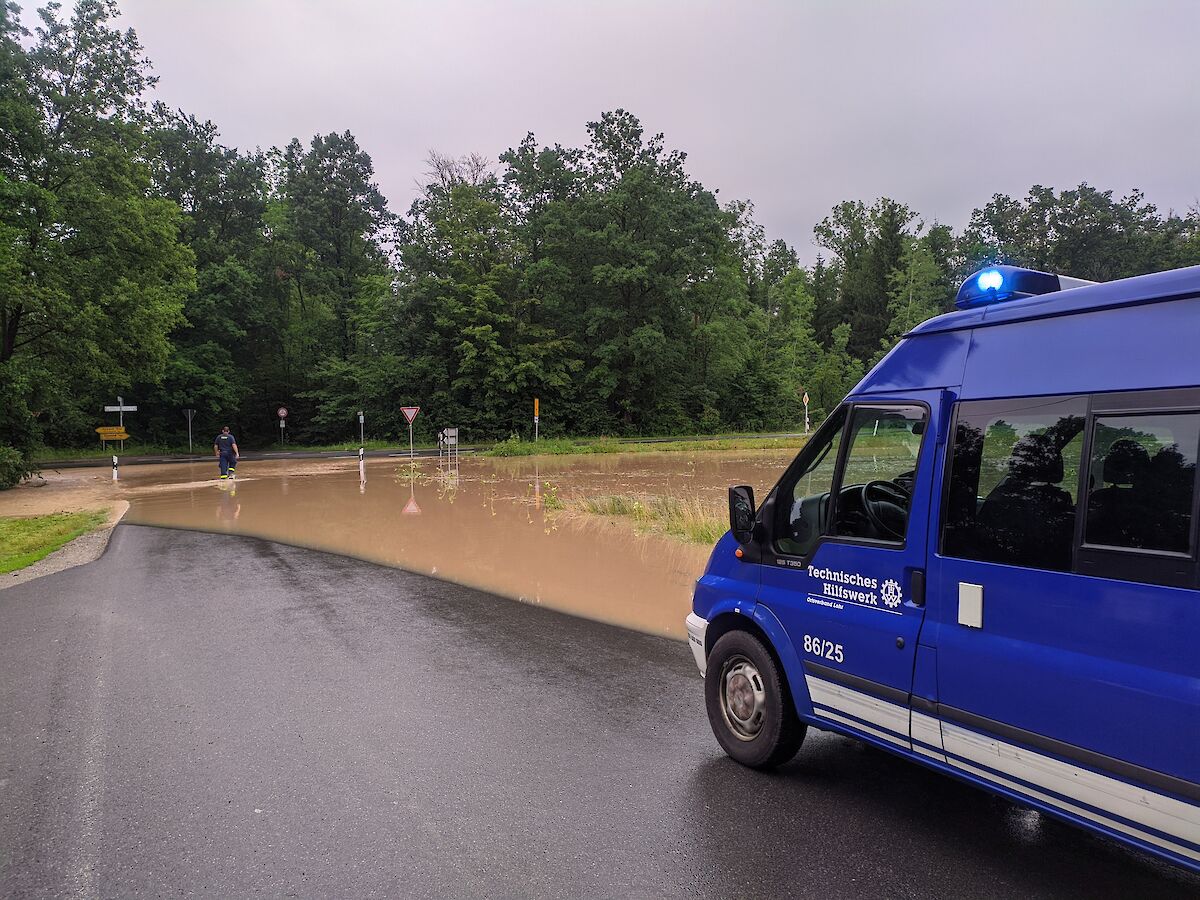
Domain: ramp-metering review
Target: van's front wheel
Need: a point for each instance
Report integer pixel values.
(749, 705)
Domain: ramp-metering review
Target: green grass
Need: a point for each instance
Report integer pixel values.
(687, 518)
(572, 446)
(54, 454)
(201, 448)
(348, 446)
(25, 540)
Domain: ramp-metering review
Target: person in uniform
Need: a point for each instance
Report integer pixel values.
(226, 449)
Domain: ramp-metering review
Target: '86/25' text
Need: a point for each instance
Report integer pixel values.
(823, 649)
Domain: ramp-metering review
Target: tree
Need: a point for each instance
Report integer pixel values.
(868, 243)
(92, 272)
(1082, 232)
(917, 288)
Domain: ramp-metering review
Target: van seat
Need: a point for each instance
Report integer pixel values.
(1121, 505)
(1028, 519)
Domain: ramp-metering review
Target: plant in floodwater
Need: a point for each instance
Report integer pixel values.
(689, 518)
(550, 498)
(572, 446)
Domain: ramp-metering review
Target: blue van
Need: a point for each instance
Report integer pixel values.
(986, 560)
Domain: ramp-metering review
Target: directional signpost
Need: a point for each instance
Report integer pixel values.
(111, 433)
(410, 413)
(449, 440)
(120, 409)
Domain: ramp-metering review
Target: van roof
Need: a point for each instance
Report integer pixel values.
(1155, 288)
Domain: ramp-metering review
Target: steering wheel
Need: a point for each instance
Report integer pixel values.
(881, 498)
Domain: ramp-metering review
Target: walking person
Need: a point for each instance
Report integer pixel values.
(226, 450)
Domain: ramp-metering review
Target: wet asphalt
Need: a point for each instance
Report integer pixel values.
(211, 715)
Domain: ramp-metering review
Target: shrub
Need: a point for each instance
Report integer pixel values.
(12, 468)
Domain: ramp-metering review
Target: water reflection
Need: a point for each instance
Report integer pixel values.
(488, 524)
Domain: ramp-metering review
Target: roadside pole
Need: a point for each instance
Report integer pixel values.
(410, 413)
(362, 465)
(114, 468)
(189, 413)
(535, 419)
(282, 412)
(361, 421)
(806, 412)
(120, 409)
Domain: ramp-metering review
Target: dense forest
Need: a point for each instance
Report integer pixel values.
(139, 255)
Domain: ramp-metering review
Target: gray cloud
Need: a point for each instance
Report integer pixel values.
(795, 106)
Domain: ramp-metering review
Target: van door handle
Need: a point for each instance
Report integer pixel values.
(916, 587)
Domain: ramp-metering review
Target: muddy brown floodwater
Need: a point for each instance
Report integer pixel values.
(485, 525)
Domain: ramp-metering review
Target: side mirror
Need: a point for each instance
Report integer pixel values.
(741, 513)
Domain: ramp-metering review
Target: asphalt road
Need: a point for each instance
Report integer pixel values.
(222, 716)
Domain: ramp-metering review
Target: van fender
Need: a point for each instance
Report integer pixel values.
(790, 660)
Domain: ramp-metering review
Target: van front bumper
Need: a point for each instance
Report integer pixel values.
(696, 629)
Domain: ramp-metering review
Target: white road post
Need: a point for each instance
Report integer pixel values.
(114, 468)
(189, 413)
(362, 465)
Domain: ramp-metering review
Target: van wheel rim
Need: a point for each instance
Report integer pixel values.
(743, 699)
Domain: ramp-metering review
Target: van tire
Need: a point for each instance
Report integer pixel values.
(749, 704)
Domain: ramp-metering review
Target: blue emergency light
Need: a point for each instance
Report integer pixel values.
(996, 284)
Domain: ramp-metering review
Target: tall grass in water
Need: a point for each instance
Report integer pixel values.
(573, 446)
(689, 518)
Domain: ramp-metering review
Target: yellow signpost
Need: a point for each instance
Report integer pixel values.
(112, 433)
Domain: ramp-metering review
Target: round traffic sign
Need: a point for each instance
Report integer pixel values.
(283, 412)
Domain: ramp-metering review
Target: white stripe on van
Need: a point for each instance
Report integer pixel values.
(1137, 804)
(851, 723)
(927, 730)
(1078, 811)
(862, 706)
(1118, 798)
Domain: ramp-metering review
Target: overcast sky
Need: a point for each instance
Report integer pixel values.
(794, 105)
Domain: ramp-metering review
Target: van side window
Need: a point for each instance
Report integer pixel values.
(1013, 478)
(1141, 481)
(875, 490)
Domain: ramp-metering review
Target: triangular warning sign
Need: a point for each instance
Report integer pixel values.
(410, 412)
(411, 508)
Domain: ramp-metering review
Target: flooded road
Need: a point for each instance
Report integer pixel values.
(494, 524)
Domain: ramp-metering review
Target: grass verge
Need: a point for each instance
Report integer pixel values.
(683, 517)
(25, 540)
(57, 454)
(571, 446)
(54, 454)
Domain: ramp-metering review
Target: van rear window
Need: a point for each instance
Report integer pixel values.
(1142, 481)
(1013, 479)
